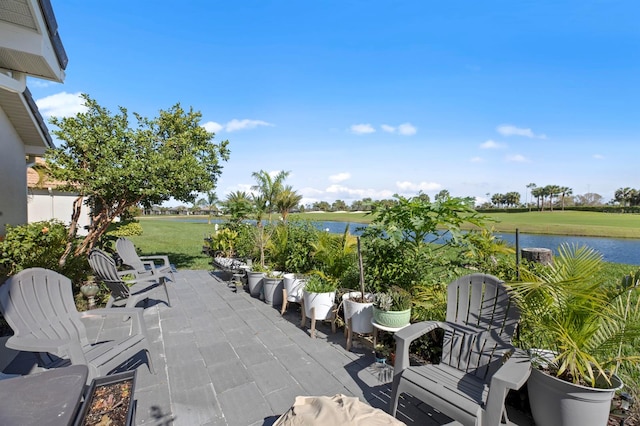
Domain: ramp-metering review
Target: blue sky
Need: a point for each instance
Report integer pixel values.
(370, 98)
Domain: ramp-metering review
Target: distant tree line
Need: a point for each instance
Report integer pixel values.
(627, 197)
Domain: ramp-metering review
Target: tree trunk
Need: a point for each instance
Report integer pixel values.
(538, 255)
(73, 226)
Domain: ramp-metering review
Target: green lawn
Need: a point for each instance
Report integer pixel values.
(590, 224)
(181, 241)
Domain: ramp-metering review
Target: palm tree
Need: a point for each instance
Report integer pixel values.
(269, 187)
(565, 192)
(238, 205)
(531, 187)
(210, 203)
(287, 200)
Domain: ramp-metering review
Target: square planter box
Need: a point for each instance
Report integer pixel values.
(103, 382)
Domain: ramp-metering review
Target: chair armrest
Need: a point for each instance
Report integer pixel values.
(407, 335)
(165, 259)
(60, 347)
(511, 375)
(29, 344)
(136, 314)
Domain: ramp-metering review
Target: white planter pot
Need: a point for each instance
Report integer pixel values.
(322, 302)
(359, 313)
(254, 281)
(294, 287)
(555, 402)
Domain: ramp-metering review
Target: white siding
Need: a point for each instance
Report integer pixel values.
(13, 176)
(43, 205)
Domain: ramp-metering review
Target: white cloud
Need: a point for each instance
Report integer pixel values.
(341, 192)
(517, 158)
(362, 129)
(407, 129)
(61, 105)
(35, 82)
(476, 160)
(236, 124)
(212, 126)
(422, 186)
(598, 156)
(490, 144)
(510, 130)
(339, 177)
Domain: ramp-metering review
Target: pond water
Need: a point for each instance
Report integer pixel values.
(619, 250)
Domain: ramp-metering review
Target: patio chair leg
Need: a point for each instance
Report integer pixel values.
(303, 321)
(313, 322)
(347, 330)
(333, 318)
(166, 291)
(284, 301)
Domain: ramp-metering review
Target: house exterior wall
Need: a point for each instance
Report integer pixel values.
(13, 179)
(45, 205)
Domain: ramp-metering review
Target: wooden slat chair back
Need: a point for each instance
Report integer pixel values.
(143, 266)
(479, 364)
(38, 305)
(131, 291)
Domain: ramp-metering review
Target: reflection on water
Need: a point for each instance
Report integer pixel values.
(612, 249)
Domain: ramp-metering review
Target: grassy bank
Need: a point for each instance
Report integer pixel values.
(575, 223)
(182, 241)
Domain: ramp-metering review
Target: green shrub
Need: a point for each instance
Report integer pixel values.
(40, 244)
(127, 228)
(290, 247)
(319, 284)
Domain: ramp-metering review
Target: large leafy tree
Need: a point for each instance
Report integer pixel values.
(114, 165)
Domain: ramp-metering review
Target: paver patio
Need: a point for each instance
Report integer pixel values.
(224, 358)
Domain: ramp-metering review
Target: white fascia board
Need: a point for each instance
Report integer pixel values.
(24, 40)
(16, 82)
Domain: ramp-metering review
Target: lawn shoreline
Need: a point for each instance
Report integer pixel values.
(567, 223)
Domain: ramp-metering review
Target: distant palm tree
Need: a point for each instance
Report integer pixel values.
(238, 205)
(287, 200)
(565, 192)
(210, 203)
(269, 187)
(531, 187)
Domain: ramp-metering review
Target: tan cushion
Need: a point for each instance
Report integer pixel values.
(334, 410)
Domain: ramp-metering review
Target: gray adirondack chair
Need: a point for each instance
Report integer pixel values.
(479, 364)
(38, 305)
(131, 291)
(144, 266)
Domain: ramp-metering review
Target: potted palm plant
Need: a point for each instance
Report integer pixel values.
(319, 297)
(392, 308)
(578, 330)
